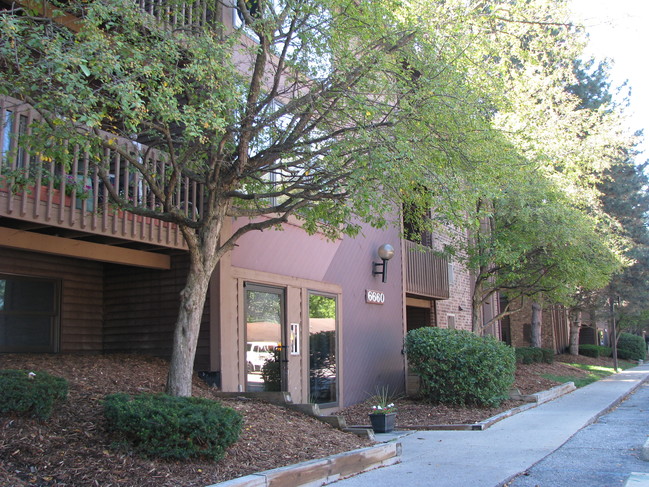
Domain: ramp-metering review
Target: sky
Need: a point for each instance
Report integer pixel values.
(619, 30)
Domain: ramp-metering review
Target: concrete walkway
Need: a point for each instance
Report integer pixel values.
(492, 457)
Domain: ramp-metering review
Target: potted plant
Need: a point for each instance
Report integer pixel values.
(384, 412)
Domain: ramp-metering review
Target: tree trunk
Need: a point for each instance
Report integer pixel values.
(575, 325)
(188, 324)
(204, 254)
(536, 325)
(476, 309)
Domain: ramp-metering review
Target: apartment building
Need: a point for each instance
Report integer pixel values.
(324, 320)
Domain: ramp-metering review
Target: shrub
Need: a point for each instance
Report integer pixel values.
(548, 355)
(32, 393)
(530, 355)
(459, 367)
(165, 426)
(271, 372)
(631, 347)
(595, 351)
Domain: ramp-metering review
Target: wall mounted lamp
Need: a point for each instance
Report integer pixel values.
(386, 252)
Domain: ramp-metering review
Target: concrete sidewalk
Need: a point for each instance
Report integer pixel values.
(492, 457)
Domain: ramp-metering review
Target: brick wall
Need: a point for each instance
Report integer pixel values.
(460, 286)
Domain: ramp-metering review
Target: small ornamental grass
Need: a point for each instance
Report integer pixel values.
(383, 401)
(31, 393)
(460, 368)
(158, 425)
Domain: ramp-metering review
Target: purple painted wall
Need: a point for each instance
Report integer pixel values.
(372, 335)
(290, 251)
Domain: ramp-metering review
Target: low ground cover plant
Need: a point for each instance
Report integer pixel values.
(595, 351)
(32, 393)
(458, 367)
(531, 355)
(158, 425)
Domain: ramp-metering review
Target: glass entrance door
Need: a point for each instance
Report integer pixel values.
(265, 324)
(323, 366)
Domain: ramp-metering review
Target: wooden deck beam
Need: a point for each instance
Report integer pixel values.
(37, 242)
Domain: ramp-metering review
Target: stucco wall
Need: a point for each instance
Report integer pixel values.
(371, 335)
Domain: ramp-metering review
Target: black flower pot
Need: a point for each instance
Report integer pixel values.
(383, 423)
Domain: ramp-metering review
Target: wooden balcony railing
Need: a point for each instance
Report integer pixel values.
(45, 192)
(426, 272)
(180, 15)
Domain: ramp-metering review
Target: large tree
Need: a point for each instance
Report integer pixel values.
(327, 111)
(330, 112)
(534, 244)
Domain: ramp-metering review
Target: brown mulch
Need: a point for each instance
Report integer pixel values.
(73, 448)
(528, 381)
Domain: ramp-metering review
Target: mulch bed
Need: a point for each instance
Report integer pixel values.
(419, 413)
(73, 448)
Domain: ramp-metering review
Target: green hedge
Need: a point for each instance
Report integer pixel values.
(459, 367)
(32, 393)
(631, 347)
(530, 355)
(595, 351)
(159, 425)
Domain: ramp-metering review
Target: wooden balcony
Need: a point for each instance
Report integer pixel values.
(70, 200)
(426, 272)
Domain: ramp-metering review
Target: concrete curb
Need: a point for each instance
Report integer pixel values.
(315, 473)
(532, 401)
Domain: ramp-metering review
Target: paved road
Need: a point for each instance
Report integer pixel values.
(601, 455)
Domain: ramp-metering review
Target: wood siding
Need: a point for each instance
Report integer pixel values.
(141, 310)
(81, 294)
(426, 272)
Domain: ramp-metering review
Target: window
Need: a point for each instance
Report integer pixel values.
(415, 221)
(450, 322)
(29, 314)
(12, 128)
(451, 274)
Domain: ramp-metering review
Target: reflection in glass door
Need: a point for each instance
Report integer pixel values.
(322, 349)
(265, 356)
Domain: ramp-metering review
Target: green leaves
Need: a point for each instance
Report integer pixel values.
(458, 367)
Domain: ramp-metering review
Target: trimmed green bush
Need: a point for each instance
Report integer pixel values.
(158, 425)
(595, 351)
(631, 347)
(548, 355)
(32, 393)
(530, 355)
(458, 367)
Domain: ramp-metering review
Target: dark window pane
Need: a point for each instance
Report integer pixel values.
(32, 296)
(25, 332)
(28, 314)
